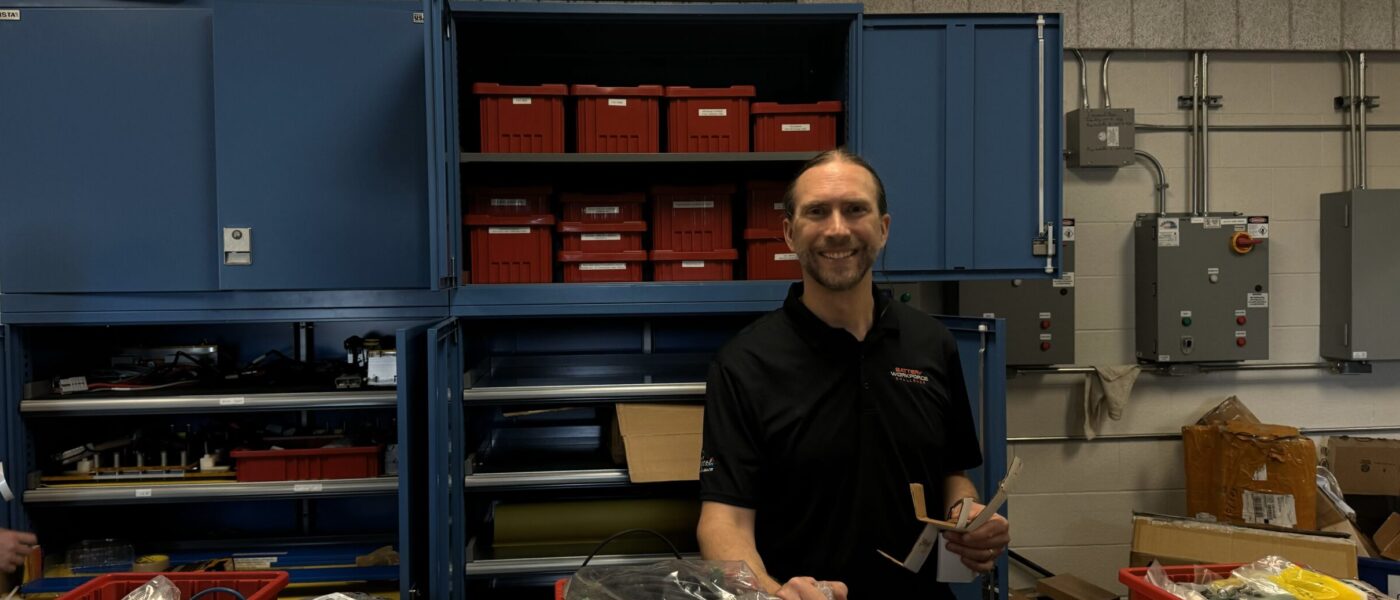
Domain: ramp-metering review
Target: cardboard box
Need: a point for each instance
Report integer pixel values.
(661, 441)
(1070, 587)
(1249, 473)
(1331, 518)
(1366, 466)
(1181, 541)
(1388, 537)
(1232, 409)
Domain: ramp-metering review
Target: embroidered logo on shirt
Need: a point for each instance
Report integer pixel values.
(707, 464)
(909, 375)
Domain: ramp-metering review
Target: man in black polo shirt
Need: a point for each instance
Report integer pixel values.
(819, 415)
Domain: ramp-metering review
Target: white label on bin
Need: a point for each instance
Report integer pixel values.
(692, 264)
(601, 210)
(231, 401)
(693, 204)
(306, 487)
(507, 230)
(601, 237)
(713, 112)
(778, 206)
(509, 202)
(521, 100)
(143, 493)
(785, 256)
(797, 127)
(603, 267)
(9, 15)
(1270, 509)
(260, 563)
(617, 102)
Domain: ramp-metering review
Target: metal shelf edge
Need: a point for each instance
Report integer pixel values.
(598, 477)
(219, 403)
(137, 493)
(529, 566)
(542, 392)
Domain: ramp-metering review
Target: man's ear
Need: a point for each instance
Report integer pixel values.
(787, 233)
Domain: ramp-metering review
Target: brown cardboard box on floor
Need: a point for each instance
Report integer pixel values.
(662, 441)
(1250, 473)
(1331, 518)
(1182, 541)
(1366, 466)
(1388, 537)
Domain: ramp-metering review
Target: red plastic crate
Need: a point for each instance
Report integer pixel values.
(794, 127)
(511, 249)
(765, 205)
(253, 585)
(602, 208)
(521, 118)
(602, 267)
(602, 237)
(619, 119)
(708, 119)
(298, 465)
(716, 265)
(692, 219)
(1139, 588)
(509, 201)
(769, 257)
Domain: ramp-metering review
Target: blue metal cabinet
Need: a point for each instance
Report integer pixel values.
(107, 149)
(961, 117)
(446, 461)
(414, 491)
(8, 419)
(321, 142)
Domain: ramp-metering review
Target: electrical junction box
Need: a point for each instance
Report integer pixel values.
(1039, 313)
(1202, 289)
(1099, 137)
(1360, 276)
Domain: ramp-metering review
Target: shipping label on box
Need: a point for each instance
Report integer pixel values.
(1367, 466)
(1249, 473)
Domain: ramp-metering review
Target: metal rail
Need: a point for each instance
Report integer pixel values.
(80, 405)
(140, 493)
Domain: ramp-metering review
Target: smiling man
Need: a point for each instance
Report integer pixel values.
(819, 415)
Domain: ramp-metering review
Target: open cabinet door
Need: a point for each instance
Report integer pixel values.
(446, 462)
(440, 73)
(414, 559)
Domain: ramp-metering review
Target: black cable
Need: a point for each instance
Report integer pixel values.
(619, 534)
(1018, 557)
(214, 590)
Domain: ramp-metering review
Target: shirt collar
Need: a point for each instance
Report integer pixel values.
(817, 333)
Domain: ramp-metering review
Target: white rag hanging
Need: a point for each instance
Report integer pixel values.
(1106, 393)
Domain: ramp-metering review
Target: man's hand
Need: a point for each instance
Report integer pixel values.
(980, 547)
(807, 588)
(14, 546)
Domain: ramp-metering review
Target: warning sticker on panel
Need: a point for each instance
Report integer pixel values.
(601, 237)
(617, 102)
(1044, 315)
(601, 210)
(1213, 222)
(507, 230)
(508, 202)
(796, 127)
(603, 267)
(1063, 281)
(1257, 300)
(1045, 337)
(1168, 233)
(713, 112)
(693, 204)
(1233, 221)
(785, 256)
(692, 264)
(1111, 136)
(1269, 509)
(521, 100)
(1258, 230)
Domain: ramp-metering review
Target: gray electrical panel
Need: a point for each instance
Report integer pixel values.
(1039, 313)
(1202, 288)
(1099, 137)
(1360, 276)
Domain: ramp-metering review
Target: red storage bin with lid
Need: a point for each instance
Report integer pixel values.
(509, 201)
(602, 267)
(252, 585)
(521, 118)
(602, 237)
(717, 265)
(794, 127)
(768, 256)
(708, 119)
(602, 208)
(692, 218)
(299, 465)
(619, 119)
(765, 205)
(511, 249)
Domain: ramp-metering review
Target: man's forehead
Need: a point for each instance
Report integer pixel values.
(836, 180)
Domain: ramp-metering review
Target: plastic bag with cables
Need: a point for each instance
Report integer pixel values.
(675, 579)
(158, 588)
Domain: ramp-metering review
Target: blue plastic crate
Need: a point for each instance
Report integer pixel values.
(1382, 573)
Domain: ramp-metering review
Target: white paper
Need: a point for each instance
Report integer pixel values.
(950, 566)
(5, 487)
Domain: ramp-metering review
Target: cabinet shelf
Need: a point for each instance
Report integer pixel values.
(84, 405)
(571, 393)
(560, 564)
(591, 478)
(635, 158)
(156, 492)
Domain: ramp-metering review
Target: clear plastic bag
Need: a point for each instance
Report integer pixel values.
(158, 588)
(667, 580)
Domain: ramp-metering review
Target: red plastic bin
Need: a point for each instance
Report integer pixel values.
(253, 585)
(715, 265)
(509, 201)
(692, 219)
(602, 267)
(619, 119)
(769, 257)
(602, 237)
(299, 465)
(708, 119)
(521, 118)
(765, 205)
(602, 208)
(794, 127)
(511, 249)
(1139, 588)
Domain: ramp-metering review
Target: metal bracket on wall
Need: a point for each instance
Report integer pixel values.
(1344, 102)
(1212, 101)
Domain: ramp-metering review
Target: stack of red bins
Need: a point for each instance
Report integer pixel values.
(601, 236)
(692, 239)
(521, 118)
(795, 127)
(510, 235)
(768, 254)
(618, 119)
(708, 119)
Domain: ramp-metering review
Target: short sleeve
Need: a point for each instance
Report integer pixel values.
(729, 461)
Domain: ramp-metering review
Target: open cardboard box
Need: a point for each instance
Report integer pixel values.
(661, 441)
(1183, 541)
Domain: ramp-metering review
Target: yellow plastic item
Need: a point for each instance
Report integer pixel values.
(1310, 585)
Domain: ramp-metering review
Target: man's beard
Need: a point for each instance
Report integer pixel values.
(833, 278)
